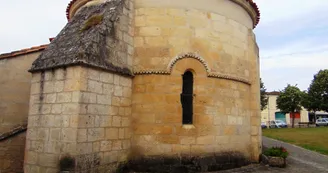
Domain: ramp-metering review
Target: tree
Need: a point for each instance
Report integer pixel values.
(320, 82)
(316, 97)
(264, 98)
(311, 102)
(289, 101)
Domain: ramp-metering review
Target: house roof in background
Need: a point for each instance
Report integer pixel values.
(23, 51)
(273, 93)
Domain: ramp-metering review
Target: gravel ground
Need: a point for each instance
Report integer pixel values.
(299, 161)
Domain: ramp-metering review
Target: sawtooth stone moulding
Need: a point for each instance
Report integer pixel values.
(201, 60)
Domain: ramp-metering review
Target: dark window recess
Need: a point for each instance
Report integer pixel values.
(187, 98)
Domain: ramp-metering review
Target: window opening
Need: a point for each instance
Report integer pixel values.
(187, 98)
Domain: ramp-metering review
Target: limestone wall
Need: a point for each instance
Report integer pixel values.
(221, 114)
(14, 103)
(165, 30)
(81, 112)
(226, 85)
(12, 154)
(254, 99)
(15, 90)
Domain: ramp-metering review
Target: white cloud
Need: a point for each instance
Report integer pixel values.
(278, 69)
(280, 10)
(284, 28)
(292, 39)
(30, 23)
(314, 60)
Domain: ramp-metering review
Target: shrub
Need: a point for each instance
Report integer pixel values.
(67, 163)
(276, 152)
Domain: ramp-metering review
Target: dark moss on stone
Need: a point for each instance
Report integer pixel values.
(186, 164)
(94, 47)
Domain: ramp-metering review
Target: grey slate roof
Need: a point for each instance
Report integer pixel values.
(75, 46)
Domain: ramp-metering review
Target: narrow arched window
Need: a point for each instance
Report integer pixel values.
(187, 97)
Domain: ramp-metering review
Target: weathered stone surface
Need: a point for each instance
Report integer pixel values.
(75, 45)
(11, 149)
(205, 163)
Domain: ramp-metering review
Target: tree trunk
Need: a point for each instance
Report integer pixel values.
(315, 117)
(293, 119)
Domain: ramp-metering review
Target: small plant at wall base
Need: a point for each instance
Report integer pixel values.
(67, 163)
(276, 156)
(276, 152)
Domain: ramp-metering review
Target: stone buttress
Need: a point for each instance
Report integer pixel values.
(80, 102)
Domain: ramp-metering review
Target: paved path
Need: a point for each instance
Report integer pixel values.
(299, 161)
(300, 155)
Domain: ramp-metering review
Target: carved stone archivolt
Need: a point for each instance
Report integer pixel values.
(188, 55)
(229, 77)
(201, 60)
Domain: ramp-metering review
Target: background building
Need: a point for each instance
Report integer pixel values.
(271, 112)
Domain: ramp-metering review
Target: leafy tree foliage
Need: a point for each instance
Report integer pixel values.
(321, 83)
(264, 98)
(316, 97)
(289, 100)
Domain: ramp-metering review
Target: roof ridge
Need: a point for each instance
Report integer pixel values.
(81, 43)
(14, 131)
(23, 51)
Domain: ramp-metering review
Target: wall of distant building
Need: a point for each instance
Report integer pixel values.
(14, 103)
(271, 112)
(15, 85)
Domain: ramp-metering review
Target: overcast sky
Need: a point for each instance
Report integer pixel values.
(292, 35)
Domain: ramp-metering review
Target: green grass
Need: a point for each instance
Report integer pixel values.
(315, 139)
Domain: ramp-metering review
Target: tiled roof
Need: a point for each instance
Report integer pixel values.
(257, 10)
(70, 4)
(251, 2)
(273, 93)
(23, 51)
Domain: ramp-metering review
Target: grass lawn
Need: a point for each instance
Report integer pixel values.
(315, 139)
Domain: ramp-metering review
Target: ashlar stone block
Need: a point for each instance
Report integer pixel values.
(150, 31)
(82, 135)
(70, 108)
(49, 160)
(105, 145)
(117, 145)
(65, 97)
(31, 157)
(69, 134)
(106, 77)
(59, 86)
(96, 134)
(112, 133)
